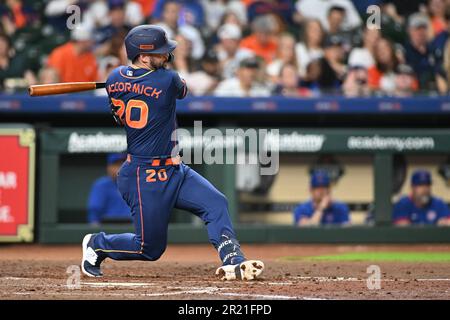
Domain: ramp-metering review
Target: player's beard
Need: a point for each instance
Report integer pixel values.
(155, 65)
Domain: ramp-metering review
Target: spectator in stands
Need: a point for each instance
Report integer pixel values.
(245, 84)
(170, 23)
(355, 83)
(219, 12)
(336, 17)
(190, 12)
(333, 68)
(311, 80)
(183, 62)
(105, 203)
(234, 17)
(399, 9)
(313, 9)
(417, 50)
(106, 66)
(285, 55)
(311, 46)
(11, 66)
(405, 81)
(382, 74)
(364, 56)
(262, 42)
(439, 49)
(14, 15)
(321, 209)
(443, 73)
(147, 7)
(48, 75)
(116, 27)
(228, 51)
(74, 60)
(98, 14)
(284, 10)
(206, 78)
(289, 84)
(436, 12)
(114, 47)
(421, 207)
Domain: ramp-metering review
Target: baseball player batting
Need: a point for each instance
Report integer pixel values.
(143, 99)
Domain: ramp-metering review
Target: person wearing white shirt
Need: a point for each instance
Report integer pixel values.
(311, 47)
(245, 84)
(364, 56)
(285, 55)
(228, 51)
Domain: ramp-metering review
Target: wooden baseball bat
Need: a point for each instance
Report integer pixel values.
(66, 87)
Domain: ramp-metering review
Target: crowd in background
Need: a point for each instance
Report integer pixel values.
(303, 48)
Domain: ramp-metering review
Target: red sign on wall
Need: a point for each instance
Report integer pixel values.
(17, 161)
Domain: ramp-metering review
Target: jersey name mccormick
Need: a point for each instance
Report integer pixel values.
(136, 88)
(145, 101)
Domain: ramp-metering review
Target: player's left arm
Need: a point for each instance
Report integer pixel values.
(181, 87)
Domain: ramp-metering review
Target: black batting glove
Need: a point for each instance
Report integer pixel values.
(119, 120)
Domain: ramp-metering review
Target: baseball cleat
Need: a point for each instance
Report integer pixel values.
(90, 265)
(247, 270)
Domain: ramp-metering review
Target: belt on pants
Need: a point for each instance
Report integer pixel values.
(155, 162)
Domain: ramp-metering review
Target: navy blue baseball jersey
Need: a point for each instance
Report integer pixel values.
(153, 180)
(145, 101)
(405, 209)
(336, 213)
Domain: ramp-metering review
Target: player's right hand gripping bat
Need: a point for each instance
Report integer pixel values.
(60, 88)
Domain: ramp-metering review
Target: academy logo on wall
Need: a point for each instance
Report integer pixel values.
(296, 142)
(98, 142)
(390, 143)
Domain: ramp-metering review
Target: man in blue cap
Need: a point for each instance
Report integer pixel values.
(420, 207)
(321, 209)
(105, 202)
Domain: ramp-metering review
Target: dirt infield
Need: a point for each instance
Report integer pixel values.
(187, 272)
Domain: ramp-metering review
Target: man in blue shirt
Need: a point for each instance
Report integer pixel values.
(321, 209)
(417, 50)
(421, 207)
(105, 202)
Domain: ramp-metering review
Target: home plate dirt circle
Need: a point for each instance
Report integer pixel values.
(187, 272)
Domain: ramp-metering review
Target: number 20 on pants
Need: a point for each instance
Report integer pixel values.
(154, 175)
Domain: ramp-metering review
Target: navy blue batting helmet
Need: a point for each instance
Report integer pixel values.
(148, 39)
